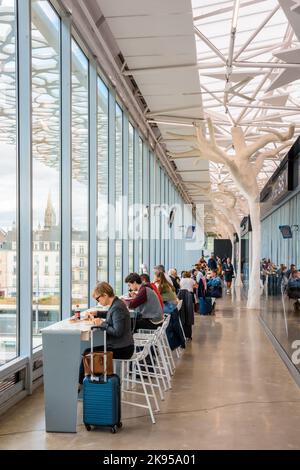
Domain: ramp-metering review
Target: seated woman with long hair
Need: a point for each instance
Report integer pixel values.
(167, 292)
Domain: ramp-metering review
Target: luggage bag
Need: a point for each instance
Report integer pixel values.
(293, 292)
(205, 305)
(101, 396)
(215, 291)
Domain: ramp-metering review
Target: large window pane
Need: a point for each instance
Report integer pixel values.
(119, 193)
(102, 181)
(45, 166)
(139, 199)
(157, 218)
(130, 195)
(80, 176)
(8, 185)
(152, 215)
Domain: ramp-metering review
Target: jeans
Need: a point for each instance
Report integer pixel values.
(169, 307)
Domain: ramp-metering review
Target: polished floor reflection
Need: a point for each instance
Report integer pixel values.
(230, 391)
(282, 317)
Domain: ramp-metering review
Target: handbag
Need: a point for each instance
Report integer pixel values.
(98, 363)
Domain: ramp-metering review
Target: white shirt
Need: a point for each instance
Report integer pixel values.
(187, 283)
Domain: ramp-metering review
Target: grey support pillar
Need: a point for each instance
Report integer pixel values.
(111, 189)
(146, 202)
(158, 256)
(162, 219)
(25, 183)
(66, 167)
(171, 231)
(92, 178)
(167, 230)
(136, 195)
(125, 193)
(152, 212)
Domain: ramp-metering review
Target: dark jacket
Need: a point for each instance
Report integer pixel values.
(201, 289)
(118, 325)
(176, 283)
(174, 331)
(293, 289)
(228, 272)
(186, 312)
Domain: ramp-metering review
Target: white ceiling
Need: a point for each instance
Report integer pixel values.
(193, 37)
(160, 34)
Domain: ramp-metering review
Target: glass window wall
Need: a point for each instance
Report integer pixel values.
(131, 190)
(142, 172)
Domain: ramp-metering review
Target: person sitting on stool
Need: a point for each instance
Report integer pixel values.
(117, 325)
(145, 302)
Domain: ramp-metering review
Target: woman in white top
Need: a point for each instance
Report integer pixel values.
(186, 282)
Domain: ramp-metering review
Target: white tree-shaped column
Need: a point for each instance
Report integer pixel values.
(225, 202)
(225, 228)
(244, 172)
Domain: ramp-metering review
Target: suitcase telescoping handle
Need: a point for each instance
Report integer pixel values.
(104, 350)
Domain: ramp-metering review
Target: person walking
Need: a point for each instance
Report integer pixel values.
(228, 272)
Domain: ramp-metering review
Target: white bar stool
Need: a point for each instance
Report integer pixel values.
(135, 375)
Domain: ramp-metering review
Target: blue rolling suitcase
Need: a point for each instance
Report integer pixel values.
(205, 305)
(102, 397)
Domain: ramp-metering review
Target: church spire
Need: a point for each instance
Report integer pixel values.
(50, 216)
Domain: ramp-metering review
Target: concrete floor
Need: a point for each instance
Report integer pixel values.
(230, 391)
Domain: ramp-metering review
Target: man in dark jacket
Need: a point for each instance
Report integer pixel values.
(212, 264)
